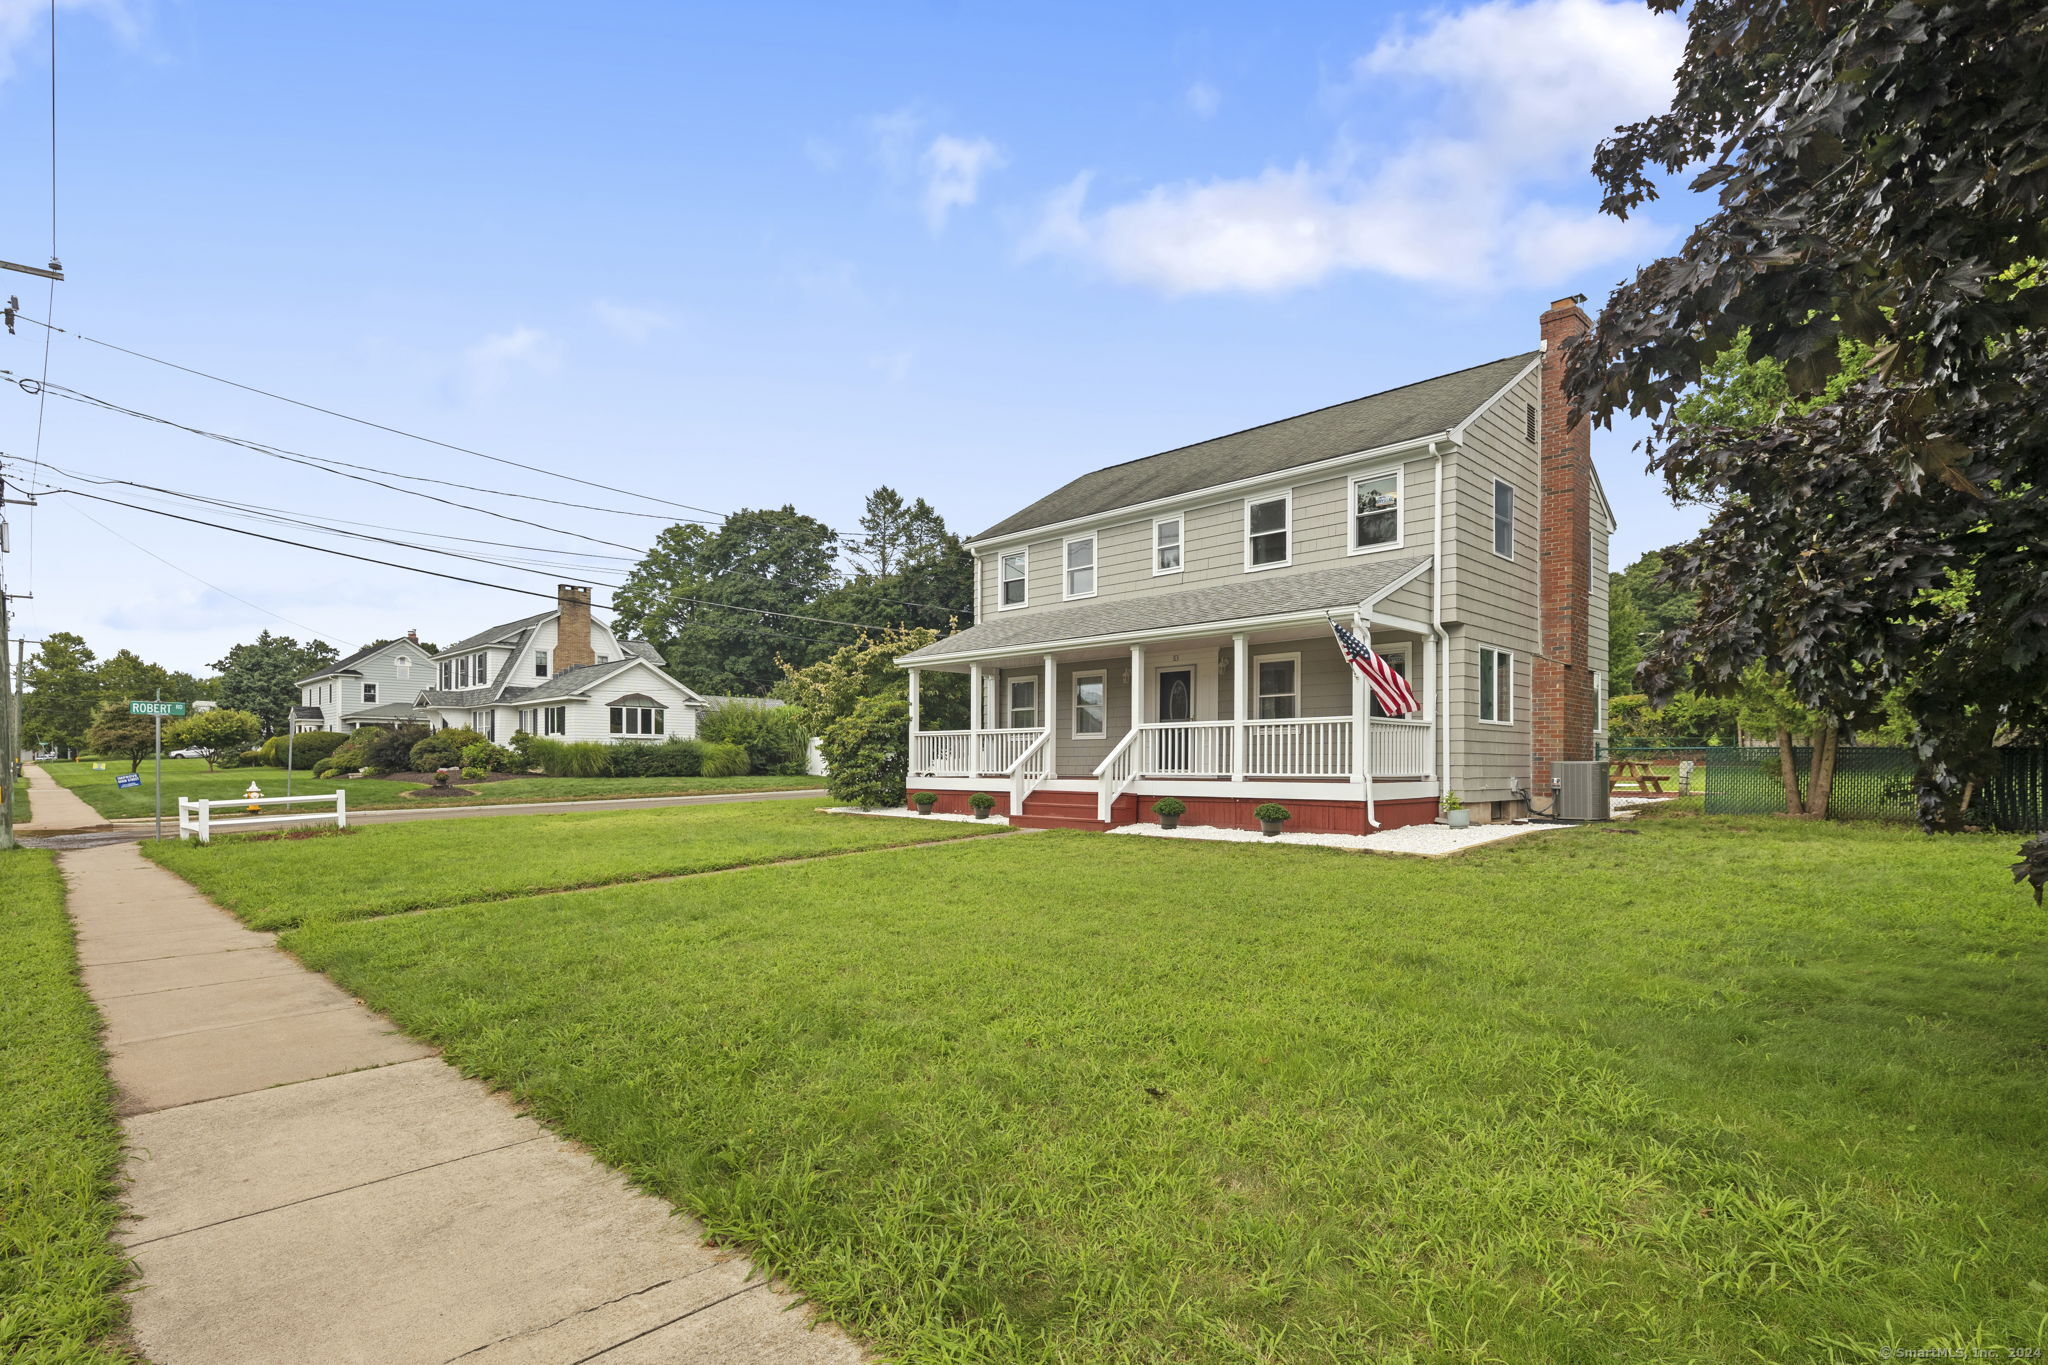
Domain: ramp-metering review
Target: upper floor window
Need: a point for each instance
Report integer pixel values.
(1080, 580)
(1167, 534)
(402, 666)
(369, 694)
(1376, 511)
(1496, 686)
(1011, 579)
(540, 663)
(1503, 519)
(604, 658)
(1268, 531)
(1279, 687)
(447, 675)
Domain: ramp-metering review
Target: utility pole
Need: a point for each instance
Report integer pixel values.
(10, 712)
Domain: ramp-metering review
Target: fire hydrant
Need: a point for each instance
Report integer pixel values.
(252, 796)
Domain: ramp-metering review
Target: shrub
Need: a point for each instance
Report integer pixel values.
(391, 749)
(926, 799)
(583, 758)
(1169, 805)
(487, 757)
(475, 773)
(725, 760)
(247, 758)
(522, 745)
(443, 748)
(670, 758)
(346, 758)
(305, 751)
(220, 733)
(1271, 810)
(867, 752)
(773, 736)
(983, 801)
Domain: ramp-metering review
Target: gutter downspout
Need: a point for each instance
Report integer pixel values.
(1436, 623)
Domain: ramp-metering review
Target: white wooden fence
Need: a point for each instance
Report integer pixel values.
(196, 818)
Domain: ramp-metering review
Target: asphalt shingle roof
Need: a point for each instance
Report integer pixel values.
(1381, 419)
(1254, 596)
(497, 633)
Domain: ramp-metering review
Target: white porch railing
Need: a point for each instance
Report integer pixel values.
(1002, 748)
(1186, 748)
(941, 753)
(196, 819)
(1116, 773)
(1401, 748)
(1029, 772)
(1312, 747)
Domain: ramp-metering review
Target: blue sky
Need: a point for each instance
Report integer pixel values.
(748, 255)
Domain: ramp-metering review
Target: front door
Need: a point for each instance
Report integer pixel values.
(1176, 703)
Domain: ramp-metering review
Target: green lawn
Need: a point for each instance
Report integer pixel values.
(189, 777)
(1691, 1089)
(59, 1147)
(382, 869)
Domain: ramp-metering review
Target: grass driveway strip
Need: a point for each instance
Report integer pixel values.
(1694, 1089)
(372, 870)
(59, 1147)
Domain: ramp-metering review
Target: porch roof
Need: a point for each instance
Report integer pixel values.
(1256, 597)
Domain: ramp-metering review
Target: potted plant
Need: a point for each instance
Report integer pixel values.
(983, 803)
(1455, 814)
(1169, 809)
(1271, 815)
(925, 801)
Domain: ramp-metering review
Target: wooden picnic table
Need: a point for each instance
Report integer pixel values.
(1637, 772)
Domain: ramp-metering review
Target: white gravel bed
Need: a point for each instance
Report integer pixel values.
(993, 818)
(1429, 841)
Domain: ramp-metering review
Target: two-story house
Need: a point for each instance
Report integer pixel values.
(1162, 627)
(560, 674)
(373, 686)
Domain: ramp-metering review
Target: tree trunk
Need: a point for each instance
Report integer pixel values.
(1820, 785)
(1794, 804)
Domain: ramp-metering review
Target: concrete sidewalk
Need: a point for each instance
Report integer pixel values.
(54, 807)
(307, 1185)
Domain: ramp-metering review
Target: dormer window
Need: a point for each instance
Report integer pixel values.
(1012, 570)
(1376, 511)
(540, 663)
(1268, 532)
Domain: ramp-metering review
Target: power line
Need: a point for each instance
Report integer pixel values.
(364, 421)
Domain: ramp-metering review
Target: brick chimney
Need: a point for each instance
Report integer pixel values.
(1562, 714)
(572, 629)
(413, 635)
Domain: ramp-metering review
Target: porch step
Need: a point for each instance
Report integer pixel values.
(1058, 810)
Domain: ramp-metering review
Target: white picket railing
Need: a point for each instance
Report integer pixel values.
(1401, 748)
(1115, 774)
(1186, 748)
(941, 753)
(196, 819)
(1318, 747)
(1000, 749)
(1029, 772)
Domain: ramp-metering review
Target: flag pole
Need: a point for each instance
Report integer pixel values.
(1364, 723)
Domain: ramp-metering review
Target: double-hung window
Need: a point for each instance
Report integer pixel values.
(540, 663)
(1396, 658)
(637, 720)
(1278, 681)
(1021, 704)
(369, 694)
(1503, 519)
(1167, 534)
(1010, 591)
(1091, 705)
(554, 720)
(447, 676)
(1496, 686)
(402, 666)
(1268, 531)
(462, 671)
(1080, 568)
(1376, 511)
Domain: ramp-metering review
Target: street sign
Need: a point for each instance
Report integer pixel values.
(128, 780)
(156, 708)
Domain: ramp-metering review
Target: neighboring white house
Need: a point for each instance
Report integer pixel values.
(561, 674)
(374, 686)
(1162, 627)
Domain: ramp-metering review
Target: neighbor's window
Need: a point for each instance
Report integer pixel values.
(1081, 567)
(554, 720)
(1022, 709)
(540, 663)
(1279, 695)
(462, 671)
(1166, 544)
(636, 720)
(1091, 705)
(1496, 686)
(402, 665)
(1012, 574)
(369, 693)
(1503, 519)
(1266, 527)
(1376, 511)
(447, 676)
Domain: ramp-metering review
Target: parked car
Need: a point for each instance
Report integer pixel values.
(187, 753)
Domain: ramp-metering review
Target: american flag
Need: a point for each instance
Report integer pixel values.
(1389, 686)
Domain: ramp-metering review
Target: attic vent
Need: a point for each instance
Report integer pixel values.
(1532, 424)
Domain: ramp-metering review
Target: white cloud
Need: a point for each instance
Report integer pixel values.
(494, 362)
(953, 168)
(631, 321)
(1203, 99)
(1513, 97)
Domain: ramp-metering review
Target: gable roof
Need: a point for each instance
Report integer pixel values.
(1381, 419)
(345, 665)
(1257, 596)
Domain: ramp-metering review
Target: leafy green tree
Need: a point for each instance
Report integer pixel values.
(116, 734)
(1896, 196)
(62, 687)
(1641, 608)
(127, 677)
(894, 533)
(831, 688)
(690, 595)
(262, 677)
(214, 733)
(867, 752)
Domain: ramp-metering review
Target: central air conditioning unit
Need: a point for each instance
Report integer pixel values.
(1581, 790)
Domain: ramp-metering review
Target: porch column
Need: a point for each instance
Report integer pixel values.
(974, 720)
(1240, 672)
(915, 724)
(1049, 713)
(1138, 690)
